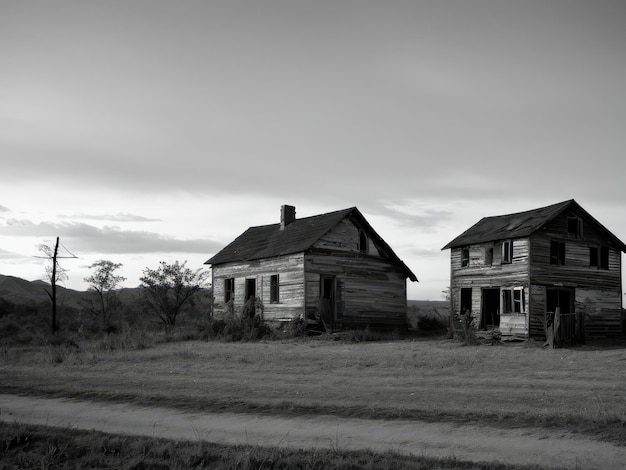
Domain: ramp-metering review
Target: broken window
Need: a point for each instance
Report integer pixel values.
(574, 227)
(513, 300)
(507, 251)
(465, 257)
(274, 288)
(229, 289)
(557, 252)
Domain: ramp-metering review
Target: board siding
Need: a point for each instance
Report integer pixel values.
(290, 270)
(597, 291)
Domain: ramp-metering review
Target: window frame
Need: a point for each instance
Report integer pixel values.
(465, 257)
(275, 289)
(507, 252)
(604, 257)
(574, 227)
(363, 242)
(229, 289)
(557, 253)
(513, 300)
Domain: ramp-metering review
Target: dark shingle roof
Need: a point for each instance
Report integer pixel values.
(268, 241)
(519, 225)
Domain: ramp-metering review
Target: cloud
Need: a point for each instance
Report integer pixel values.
(79, 237)
(119, 217)
(4, 209)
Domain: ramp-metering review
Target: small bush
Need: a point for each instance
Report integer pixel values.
(467, 333)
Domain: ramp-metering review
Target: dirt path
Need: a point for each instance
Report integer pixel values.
(465, 442)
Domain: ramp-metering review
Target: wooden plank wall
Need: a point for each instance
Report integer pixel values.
(480, 274)
(291, 285)
(371, 290)
(597, 291)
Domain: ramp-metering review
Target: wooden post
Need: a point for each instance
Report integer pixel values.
(53, 283)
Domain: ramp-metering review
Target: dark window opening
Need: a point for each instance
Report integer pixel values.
(465, 257)
(362, 242)
(466, 300)
(593, 256)
(489, 256)
(274, 288)
(507, 251)
(574, 227)
(557, 252)
(604, 257)
(229, 289)
(559, 298)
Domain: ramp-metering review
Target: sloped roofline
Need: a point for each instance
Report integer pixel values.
(532, 221)
(228, 254)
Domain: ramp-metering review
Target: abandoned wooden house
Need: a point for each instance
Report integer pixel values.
(512, 271)
(333, 267)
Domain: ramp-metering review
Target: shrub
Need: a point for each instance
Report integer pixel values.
(467, 333)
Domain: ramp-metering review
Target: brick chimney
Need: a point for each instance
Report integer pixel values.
(287, 215)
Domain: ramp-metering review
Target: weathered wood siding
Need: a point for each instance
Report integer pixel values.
(370, 289)
(290, 270)
(480, 273)
(597, 291)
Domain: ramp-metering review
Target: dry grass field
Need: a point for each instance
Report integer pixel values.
(517, 385)
(580, 388)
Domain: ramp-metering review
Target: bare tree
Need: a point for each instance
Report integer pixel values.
(104, 283)
(170, 288)
(55, 274)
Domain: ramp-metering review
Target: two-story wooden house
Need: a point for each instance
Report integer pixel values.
(509, 271)
(332, 266)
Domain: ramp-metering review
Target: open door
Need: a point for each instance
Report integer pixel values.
(490, 309)
(327, 301)
(250, 304)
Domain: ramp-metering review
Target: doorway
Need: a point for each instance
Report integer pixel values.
(327, 301)
(490, 309)
(250, 295)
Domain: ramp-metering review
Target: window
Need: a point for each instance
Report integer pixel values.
(593, 256)
(466, 300)
(604, 257)
(507, 251)
(362, 242)
(229, 289)
(557, 252)
(488, 256)
(274, 289)
(465, 257)
(574, 227)
(513, 300)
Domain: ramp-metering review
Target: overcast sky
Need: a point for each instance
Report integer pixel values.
(141, 131)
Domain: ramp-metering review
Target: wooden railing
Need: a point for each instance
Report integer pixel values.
(561, 328)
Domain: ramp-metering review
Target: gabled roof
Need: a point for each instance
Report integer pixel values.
(269, 241)
(520, 225)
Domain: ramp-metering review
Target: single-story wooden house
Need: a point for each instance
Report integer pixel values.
(332, 267)
(510, 271)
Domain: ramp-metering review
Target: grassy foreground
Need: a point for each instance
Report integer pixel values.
(580, 389)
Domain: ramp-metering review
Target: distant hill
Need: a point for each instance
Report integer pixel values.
(22, 292)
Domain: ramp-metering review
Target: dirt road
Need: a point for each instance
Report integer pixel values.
(548, 449)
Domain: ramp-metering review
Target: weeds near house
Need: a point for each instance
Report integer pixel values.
(467, 333)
